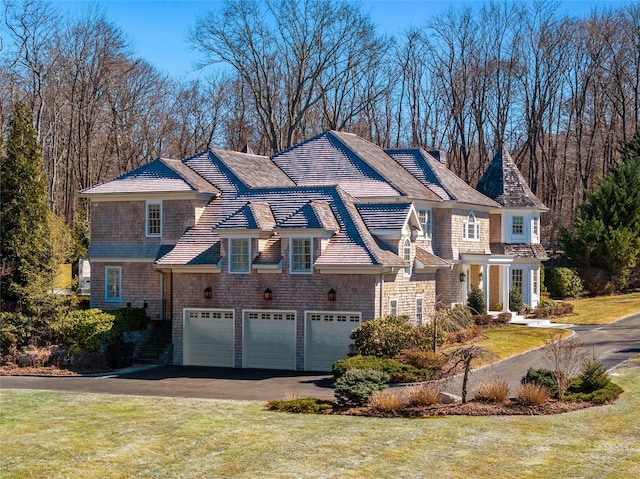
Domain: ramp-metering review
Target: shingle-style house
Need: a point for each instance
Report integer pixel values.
(272, 262)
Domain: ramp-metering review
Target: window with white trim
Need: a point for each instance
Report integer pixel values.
(406, 255)
(419, 306)
(424, 216)
(239, 255)
(471, 228)
(301, 254)
(393, 306)
(517, 225)
(154, 218)
(516, 278)
(113, 284)
(534, 281)
(535, 229)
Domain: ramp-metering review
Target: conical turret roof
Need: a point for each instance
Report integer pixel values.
(504, 183)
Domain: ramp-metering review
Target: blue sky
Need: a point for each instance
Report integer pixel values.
(157, 29)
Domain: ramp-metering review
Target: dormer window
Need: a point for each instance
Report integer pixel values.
(471, 228)
(239, 255)
(406, 255)
(424, 215)
(301, 255)
(154, 218)
(517, 225)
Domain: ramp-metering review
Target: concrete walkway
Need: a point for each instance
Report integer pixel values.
(612, 343)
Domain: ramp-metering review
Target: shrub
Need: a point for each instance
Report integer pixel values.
(453, 319)
(397, 371)
(563, 282)
(464, 335)
(475, 301)
(306, 405)
(424, 359)
(127, 319)
(85, 330)
(386, 337)
(15, 331)
(516, 304)
(541, 377)
(531, 394)
(610, 392)
(546, 302)
(493, 390)
(355, 386)
(594, 376)
(387, 400)
(422, 395)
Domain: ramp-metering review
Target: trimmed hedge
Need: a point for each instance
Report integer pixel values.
(305, 405)
(386, 337)
(398, 372)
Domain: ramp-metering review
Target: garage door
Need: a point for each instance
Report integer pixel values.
(208, 337)
(269, 339)
(327, 337)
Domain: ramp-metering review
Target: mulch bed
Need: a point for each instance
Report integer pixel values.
(471, 408)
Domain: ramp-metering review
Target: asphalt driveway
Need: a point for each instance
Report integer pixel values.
(612, 343)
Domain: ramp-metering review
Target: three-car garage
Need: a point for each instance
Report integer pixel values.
(267, 339)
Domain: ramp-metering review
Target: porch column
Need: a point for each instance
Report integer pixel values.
(485, 283)
(505, 288)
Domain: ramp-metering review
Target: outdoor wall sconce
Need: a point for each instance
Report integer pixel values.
(480, 277)
(207, 292)
(268, 294)
(463, 277)
(332, 294)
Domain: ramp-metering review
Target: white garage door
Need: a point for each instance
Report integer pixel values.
(327, 337)
(269, 339)
(208, 337)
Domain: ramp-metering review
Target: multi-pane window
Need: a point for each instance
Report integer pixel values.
(424, 215)
(534, 281)
(393, 306)
(239, 255)
(471, 228)
(517, 225)
(113, 283)
(301, 255)
(154, 218)
(516, 278)
(419, 302)
(535, 227)
(406, 255)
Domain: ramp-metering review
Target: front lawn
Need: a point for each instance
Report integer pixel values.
(54, 434)
(602, 310)
(507, 341)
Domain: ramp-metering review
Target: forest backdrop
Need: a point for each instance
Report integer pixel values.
(559, 92)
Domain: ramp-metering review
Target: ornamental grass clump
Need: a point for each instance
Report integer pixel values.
(422, 395)
(387, 400)
(531, 394)
(493, 390)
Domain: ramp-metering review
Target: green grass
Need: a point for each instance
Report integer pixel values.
(603, 309)
(508, 341)
(57, 434)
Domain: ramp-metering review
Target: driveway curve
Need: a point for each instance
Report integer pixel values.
(612, 343)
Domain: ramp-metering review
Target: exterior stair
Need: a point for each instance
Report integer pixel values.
(157, 348)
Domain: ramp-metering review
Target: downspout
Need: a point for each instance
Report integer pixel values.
(381, 295)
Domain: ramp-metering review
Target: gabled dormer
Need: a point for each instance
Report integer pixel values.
(519, 218)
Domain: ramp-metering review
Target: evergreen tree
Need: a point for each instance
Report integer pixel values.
(604, 240)
(24, 216)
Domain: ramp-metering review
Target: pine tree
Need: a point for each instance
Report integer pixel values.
(605, 238)
(24, 216)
